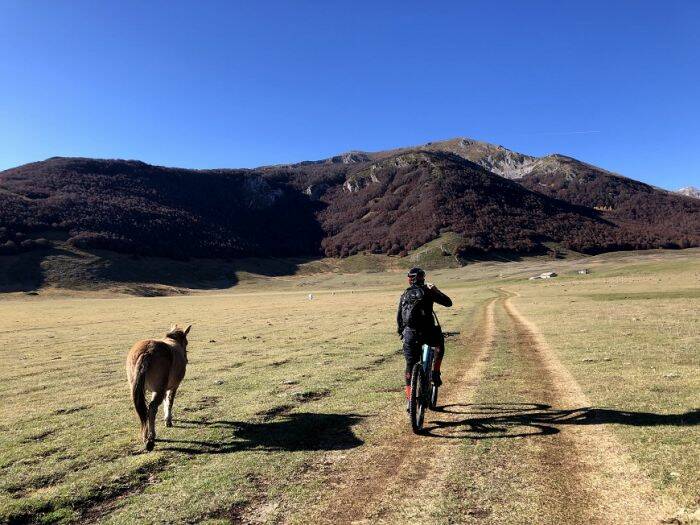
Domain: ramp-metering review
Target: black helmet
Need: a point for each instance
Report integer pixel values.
(416, 275)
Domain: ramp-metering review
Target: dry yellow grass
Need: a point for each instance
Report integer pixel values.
(286, 396)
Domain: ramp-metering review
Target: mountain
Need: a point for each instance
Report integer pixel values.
(690, 191)
(387, 202)
(654, 216)
(402, 200)
(647, 216)
(132, 207)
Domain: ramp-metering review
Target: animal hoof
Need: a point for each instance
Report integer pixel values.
(168, 423)
(150, 445)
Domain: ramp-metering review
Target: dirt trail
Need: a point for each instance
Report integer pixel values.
(559, 471)
(593, 477)
(378, 483)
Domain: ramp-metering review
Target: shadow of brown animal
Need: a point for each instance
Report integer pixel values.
(159, 366)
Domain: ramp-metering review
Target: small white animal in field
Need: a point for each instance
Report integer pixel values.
(311, 297)
(159, 366)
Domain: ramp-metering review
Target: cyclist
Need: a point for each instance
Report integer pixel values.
(416, 325)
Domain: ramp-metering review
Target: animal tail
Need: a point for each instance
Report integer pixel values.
(138, 394)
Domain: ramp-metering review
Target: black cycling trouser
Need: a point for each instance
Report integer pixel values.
(413, 342)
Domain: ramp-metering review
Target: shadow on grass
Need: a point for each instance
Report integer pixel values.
(23, 272)
(292, 432)
(191, 273)
(512, 420)
(71, 268)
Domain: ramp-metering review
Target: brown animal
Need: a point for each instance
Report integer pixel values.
(157, 365)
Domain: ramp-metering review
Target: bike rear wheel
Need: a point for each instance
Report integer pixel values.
(433, 397)
(416, 405)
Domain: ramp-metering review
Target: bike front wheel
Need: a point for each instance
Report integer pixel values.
(416, 405)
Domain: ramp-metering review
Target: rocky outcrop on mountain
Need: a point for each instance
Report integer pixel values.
(690, 191)
(496, 159)
(351, 157)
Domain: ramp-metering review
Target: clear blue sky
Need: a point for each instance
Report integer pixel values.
(240, 84)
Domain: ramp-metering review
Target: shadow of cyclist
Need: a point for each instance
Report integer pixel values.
(511, 420)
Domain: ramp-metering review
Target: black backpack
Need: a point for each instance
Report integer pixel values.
(414, 311)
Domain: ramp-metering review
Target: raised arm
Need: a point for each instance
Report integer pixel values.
(439, 297)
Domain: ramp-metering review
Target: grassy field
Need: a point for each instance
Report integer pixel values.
(292, 412)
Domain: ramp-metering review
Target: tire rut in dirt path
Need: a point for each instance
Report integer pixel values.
(507, 469)
(377, 486)
(586, 475)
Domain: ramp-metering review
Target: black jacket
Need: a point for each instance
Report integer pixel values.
(432, 295)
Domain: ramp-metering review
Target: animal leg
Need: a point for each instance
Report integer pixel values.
(168, 406)
(152, 411)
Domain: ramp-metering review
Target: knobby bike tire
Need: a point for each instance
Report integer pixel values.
(417, 400)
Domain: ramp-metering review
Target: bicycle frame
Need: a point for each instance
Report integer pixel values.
(427, 358)
(428, 355)
(423, 392)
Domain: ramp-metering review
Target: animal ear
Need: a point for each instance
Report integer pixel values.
(172, 328)
(187, 330)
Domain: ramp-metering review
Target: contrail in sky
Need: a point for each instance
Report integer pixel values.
(564, 132)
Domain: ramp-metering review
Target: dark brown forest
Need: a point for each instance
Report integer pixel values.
(650, 217)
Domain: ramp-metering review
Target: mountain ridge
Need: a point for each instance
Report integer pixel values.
(387, 202)
(496, 158)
